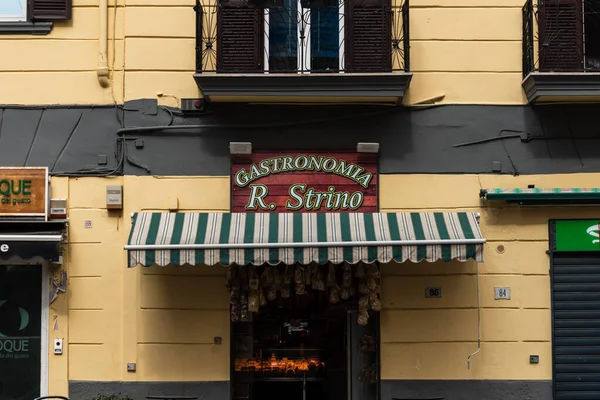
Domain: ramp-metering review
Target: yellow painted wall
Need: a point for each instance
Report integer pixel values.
(165, 319)
(467, 50)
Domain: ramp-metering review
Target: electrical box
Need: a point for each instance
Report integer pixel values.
(58, 208)
(114, 197)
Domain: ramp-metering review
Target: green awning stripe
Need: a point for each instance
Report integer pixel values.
(176, 238)
(170, 238)
(249, 234)
(273, 238)
(444, 234)
(346, 233)
(297, 235)
(321, 229)
(395, 235)
(201, 228)
(370, 236)
(415, 219)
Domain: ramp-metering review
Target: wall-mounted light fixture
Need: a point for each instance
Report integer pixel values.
(367, 147)
(240, 147)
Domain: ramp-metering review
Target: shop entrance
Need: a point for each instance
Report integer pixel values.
(20, 331)
(305, 332)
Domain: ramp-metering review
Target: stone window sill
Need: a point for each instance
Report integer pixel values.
(25, 28)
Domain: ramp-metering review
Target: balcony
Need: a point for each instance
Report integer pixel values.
(561, 51)
(303, 50)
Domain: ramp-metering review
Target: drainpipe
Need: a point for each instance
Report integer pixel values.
(103, 45)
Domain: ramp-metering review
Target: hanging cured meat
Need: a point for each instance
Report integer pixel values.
(362, 287)
(373, 270)
(334, 295)
(309, 274)
(346, 279)
(299, 280)
(374, 302)
(345, 293)
(262, 300)
(271, 293)
(266, 277)
(331, 281)
(363, 318)
(361, 270)
(318, 281)
(276, 278)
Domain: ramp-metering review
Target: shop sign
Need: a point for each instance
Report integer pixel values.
(577, 235)
(304, 182)
(23, 192)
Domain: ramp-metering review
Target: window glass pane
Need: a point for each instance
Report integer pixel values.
(12, 8)
(20, 331)
(324, 38)
(283, 37)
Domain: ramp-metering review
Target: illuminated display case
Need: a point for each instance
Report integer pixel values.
(278, 350)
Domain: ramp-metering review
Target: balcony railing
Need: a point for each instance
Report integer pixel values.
(561, 36)
(302, 36)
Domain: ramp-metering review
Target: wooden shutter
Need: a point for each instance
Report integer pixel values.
(561, 35)
(49, 9)
(368, 36)
(240, 37)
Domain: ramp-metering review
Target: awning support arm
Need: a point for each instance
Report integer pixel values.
(213, 246)
(31, 238)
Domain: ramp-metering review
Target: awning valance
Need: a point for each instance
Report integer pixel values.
(258, 238)
(30, 241)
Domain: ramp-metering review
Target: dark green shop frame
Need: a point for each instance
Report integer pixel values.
(575, 309)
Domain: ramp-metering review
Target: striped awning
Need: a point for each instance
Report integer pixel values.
(258, 238)
(585, 195)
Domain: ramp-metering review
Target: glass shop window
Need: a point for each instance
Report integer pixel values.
(20, 332)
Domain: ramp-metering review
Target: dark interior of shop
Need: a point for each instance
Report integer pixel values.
(592, 34)
(301, 346)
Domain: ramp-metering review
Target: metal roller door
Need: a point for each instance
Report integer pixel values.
(576, 325)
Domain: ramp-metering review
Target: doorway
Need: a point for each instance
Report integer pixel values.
(21, 332)
(316, 339)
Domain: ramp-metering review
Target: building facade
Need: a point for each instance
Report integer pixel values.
(141, 111)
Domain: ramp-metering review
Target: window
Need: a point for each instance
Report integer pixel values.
(304, 36)
(34, 10)
(13, 10)
(569, 35)
(303, 39)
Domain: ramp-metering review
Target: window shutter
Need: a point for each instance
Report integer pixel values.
(368, 36)
(240, 37)
(49, 9)
(561, 35)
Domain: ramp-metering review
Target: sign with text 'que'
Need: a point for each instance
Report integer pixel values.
(24, 192)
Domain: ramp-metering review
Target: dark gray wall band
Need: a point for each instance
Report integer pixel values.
(87, 390)
(407, 389)
(467, 390)
(83, 139)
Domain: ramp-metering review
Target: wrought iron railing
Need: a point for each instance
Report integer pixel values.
(302, 36)
(561, 36)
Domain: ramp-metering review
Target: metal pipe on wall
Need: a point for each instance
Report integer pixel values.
(199, 15)
(103, 44)
(478, 320)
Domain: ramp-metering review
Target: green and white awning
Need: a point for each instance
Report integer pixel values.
(258, 238)
(543, 195)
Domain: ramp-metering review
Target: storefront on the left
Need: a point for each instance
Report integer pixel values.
(33, 229)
